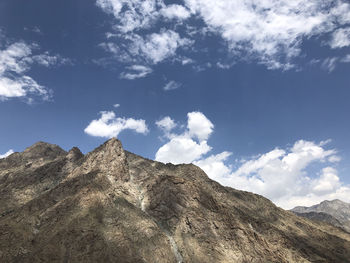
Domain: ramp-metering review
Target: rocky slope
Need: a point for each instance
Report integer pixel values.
(335, 212)
(114, 206)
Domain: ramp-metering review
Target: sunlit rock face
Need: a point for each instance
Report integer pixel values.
(111, 205)
(335, 212)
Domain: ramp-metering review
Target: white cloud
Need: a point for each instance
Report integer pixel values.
(223, 65)
(182, 149)
(34, 29)
(131, 14)
(11, 58)
(270, 28)
(116, 105)
(108, 125)
(136, 72)
(166, 124)
(8, 153)
(131, 17)
(21, 86)
(171, 85)
(340, 38)
(157, 47)
(270, 32)
(214, 165)
(186, 61)
(15, 60)
(330, 64)
(175, 12)
(286, 176)
(346, 59)
(334, 159)
(199, 126)
(47, 60)
(328, 182)
(188, 146)
(283, 175)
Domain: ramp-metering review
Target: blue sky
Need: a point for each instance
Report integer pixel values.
(254, 92)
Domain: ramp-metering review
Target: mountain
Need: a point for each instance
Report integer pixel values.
(335, 212)
(111, 205)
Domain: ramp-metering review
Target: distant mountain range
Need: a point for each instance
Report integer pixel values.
(335, 212)
(111, 205)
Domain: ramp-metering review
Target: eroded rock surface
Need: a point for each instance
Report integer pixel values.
(114, 206)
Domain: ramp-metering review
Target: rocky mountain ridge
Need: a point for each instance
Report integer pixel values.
(335, 212)
(111, 205)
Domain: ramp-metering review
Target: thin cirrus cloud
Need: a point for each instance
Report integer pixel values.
(269, 32)
(136, 72)
(172, 85)
(283, 175)
(108, 125)
(16, 60)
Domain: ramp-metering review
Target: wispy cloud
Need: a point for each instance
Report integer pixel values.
(16, 60)
(136, 72)
(34, 29)
(330, 64)
(268, 32)
(172, 85)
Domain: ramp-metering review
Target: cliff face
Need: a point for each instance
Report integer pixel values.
(114, 206)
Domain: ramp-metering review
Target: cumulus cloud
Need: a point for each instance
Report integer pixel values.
(182, 149)
(189, 145)
(171, 85)
(16, 60)
(286, 176)
(199, 126)
(270, 32)
(136, 72)
(8, 153)
(108, 125)
(340, 38)
(283, 175)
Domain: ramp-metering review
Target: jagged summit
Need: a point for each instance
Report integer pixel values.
(111, 205)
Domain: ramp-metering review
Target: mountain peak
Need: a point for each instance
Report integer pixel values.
(74, 154)
(43, 150)
(111, 205)
(110, 158)
(336, 208)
